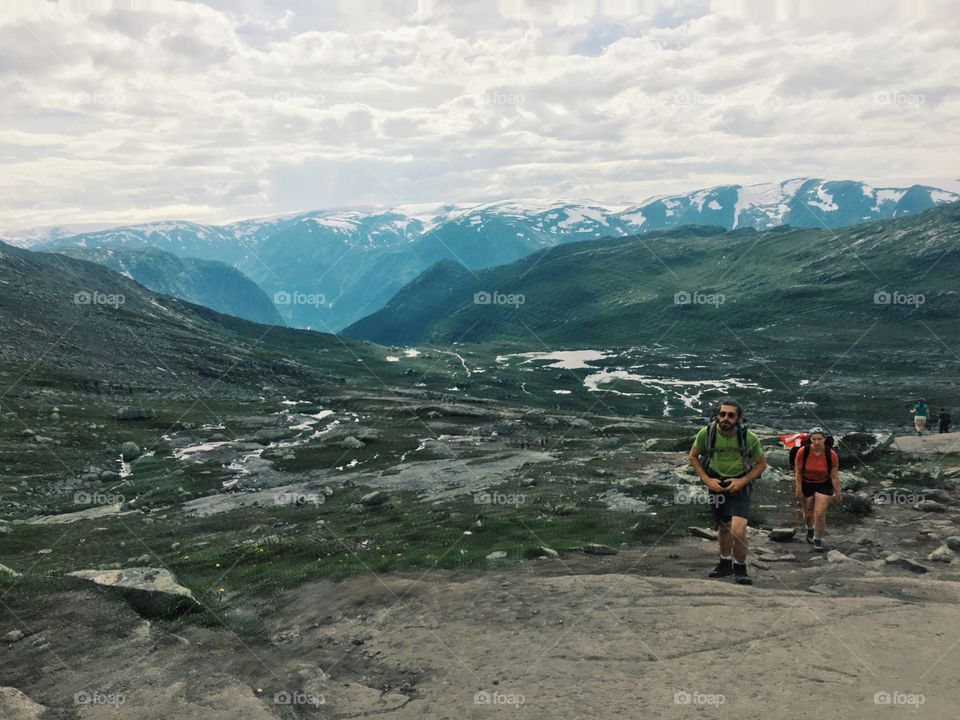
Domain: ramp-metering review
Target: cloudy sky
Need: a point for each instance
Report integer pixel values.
(149, 109)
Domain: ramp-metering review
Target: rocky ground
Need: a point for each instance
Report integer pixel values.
(563, 579)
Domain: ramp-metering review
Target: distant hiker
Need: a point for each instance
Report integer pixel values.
(816, 483)
(944, 420)
(920, 416)
(728, 457)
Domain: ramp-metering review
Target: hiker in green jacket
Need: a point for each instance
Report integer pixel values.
(728, 458)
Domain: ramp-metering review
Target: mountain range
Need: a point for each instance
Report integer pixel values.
(328, 269)
(802, 287)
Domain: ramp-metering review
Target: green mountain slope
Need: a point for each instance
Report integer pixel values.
(892, 279)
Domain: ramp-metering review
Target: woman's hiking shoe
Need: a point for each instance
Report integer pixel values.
(810, 536)
(818, 545)
(724, 568)
(740, 574)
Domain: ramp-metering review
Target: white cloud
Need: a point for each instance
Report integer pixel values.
(233, 109)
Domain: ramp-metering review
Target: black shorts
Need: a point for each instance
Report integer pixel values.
(809, 488)
(724, 506)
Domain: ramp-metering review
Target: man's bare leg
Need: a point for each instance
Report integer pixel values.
(738, 532)
(725, 539)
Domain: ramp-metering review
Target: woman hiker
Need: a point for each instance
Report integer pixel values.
(817, 483)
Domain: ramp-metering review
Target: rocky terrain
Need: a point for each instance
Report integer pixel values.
(322, 558)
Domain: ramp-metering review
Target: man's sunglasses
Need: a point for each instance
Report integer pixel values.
(727, 414)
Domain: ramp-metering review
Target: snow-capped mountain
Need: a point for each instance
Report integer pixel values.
(325, 269)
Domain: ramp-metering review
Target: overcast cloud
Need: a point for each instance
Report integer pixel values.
(129, 111)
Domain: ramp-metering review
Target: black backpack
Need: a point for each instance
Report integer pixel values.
(827, 447)
(706, 455)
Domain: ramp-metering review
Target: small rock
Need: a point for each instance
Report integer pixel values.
(528, 482)
(371, 499)
(13, 636)
(907, 563)
(109, 476)
(351, 443)
(45, 551)
(786, 557)
(930, 506)
(544, 551)
(597, 549)
(825, 590)
(782, 534)
(953, 542)
(940, 496)
(835, 556)
(8, 572)
(497, 555)
(705, 533)
(942, 554)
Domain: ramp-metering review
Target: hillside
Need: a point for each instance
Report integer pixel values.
(210, 283)
(77, 323)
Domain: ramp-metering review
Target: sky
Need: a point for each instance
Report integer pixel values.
(214, 111)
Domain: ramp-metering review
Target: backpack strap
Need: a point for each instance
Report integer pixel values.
(711, 444)
(745, 457)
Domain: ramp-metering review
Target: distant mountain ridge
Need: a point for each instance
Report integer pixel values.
(348, 263)
(210, 283)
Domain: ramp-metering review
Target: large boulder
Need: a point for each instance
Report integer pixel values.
(129, 451)
(134, 413)
(14, 705)
(152, 592)
(374, 499)
(856, 446)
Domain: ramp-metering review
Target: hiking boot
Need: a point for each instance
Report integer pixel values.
(740, 574)
(810, 536)
(724, 568)
(818, 545)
